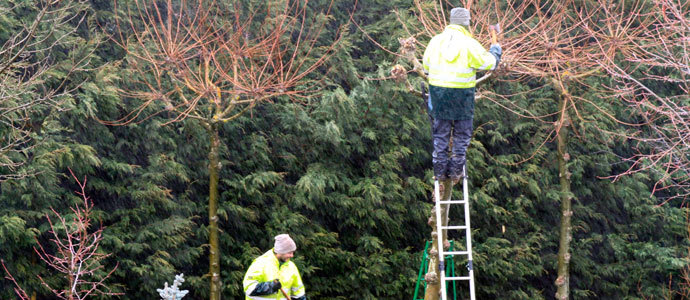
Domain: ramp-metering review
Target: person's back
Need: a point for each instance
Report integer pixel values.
(452, 57)
(451, 60)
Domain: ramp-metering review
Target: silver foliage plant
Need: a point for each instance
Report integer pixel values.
(173, 292)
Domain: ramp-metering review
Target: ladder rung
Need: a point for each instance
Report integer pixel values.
(455, 227)
(457, 278)
(455, 253)
(453, 202)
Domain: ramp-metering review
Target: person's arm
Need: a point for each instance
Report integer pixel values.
(255, 283)
(480, 59)
(297, 290)
(266, 288)
(426, 60)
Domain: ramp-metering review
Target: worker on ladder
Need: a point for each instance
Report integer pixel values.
(451, 60)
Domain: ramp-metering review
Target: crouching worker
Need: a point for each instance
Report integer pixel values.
(273, 276)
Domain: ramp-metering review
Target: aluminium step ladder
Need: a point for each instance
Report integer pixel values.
(468, 237)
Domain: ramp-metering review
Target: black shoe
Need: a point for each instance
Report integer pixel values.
(455, 177)
(457, 173)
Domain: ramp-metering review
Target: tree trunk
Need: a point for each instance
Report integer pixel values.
(214, 249)
(563, 280)
(70, 282)
(432, 277)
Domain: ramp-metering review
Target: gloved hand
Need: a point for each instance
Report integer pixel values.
(496, 50)
(275, 285)
(266, 288)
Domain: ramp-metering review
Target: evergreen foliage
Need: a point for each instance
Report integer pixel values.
(347, 173)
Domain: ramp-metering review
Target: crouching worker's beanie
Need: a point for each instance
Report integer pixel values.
(460, 16)
(284, 244)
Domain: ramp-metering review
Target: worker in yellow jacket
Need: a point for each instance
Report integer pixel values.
(451, 60)
(273, 276)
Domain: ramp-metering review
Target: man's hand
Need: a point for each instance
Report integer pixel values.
(266, 288)
(275, 285)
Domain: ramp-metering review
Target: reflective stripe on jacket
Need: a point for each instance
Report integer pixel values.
(452, 57)
(267, 268)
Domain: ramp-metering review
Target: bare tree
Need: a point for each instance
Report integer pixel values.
(75, 254)
(655, 82)
(199, 60)
(28, 67)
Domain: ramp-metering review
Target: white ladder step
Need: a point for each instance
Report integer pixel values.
(454, 227)
(458, 278)
(452, 201)
(456, 252)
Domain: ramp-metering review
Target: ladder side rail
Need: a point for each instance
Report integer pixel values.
(468, 231)
(439, 239)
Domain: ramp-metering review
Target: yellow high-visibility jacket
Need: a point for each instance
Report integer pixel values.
(267, 268)
(452, 57)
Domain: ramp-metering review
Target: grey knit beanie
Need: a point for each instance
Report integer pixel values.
(460, 16)
(284, 244)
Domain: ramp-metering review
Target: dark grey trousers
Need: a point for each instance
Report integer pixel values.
(445, 167)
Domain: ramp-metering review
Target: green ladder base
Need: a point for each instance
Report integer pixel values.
(424, 266)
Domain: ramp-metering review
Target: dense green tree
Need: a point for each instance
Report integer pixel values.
(347, 172)
(45, 61)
